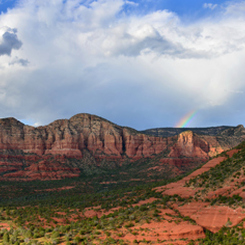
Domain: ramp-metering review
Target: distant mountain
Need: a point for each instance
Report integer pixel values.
(211, 131)
(90, 145)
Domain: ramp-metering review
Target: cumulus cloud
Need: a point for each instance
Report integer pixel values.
(139, 70)
(9, 42)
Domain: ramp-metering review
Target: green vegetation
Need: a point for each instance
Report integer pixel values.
(37, 223)
(230, 201)
(38, 216)
(104, 208)
(229, 170)
(226, 236)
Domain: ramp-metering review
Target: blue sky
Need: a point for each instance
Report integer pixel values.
(141, 64)
(6, 4)
(186, 9)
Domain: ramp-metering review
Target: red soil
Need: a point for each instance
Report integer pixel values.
(232, 152)
(150, 200)
(4, 226)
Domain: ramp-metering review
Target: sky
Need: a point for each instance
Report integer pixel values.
(142, 64)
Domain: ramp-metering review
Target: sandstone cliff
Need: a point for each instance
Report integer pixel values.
(100, 141)
(70, 137)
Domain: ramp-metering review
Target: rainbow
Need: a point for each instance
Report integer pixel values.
(186, 119)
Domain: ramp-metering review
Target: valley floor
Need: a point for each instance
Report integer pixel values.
(205, 207)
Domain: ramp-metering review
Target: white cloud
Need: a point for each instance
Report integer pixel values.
(91, 58)
(235, 9)
(210, 6)
(131, 3)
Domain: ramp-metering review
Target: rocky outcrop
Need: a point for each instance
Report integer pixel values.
(106, 141)
(190, 145)
(101, 137)
(203, 146)
(213, 218)
(70, 137)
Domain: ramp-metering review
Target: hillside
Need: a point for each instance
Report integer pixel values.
(204, 207)
(87, 145)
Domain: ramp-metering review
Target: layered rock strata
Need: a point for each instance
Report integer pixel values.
(104, 140)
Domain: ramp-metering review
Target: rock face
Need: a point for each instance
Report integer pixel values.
(190, 145)
(104, 140)
(83, 131)
(101, 137)
(203, 146)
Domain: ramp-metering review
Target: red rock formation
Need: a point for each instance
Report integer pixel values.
(103, 139)
(212, 218)
(84, 131)
(190, 145)
(141, 145)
